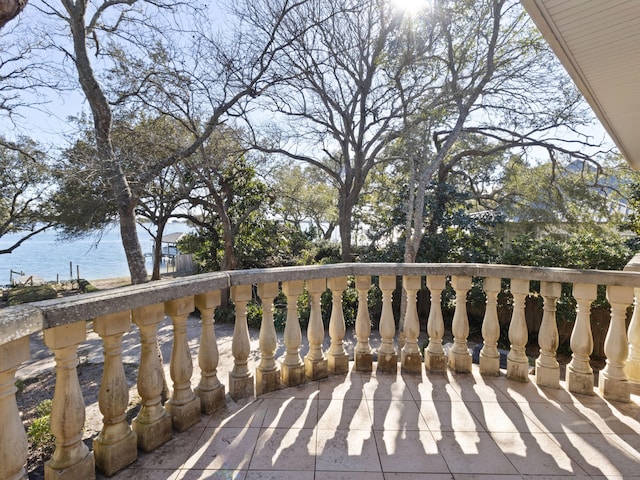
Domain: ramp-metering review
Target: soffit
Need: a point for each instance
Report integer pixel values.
(598, 42)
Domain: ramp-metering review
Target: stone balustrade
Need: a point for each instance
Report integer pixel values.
(111, 314)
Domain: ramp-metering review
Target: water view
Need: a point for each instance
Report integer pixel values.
(49, 258)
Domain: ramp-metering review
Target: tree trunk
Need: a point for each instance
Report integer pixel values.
(132, 248)
(157, 251)
(345, 212)
(229, 260)
(101, 112)
(10, 9)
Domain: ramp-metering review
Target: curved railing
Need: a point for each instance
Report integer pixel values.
(63, 323)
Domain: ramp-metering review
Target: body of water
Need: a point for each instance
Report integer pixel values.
(45, 256)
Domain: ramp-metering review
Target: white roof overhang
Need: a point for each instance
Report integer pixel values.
(598, 42)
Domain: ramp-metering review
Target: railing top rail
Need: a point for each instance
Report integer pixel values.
(19, 321)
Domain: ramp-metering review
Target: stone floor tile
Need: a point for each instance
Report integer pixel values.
(342, 387)
(473, 387)
(520, 392)
(502, 417)
(306, 390)
(417, 476)
(290, 413)
(611, 418)
(223, 448)
(536, 453)
(434, 387)
(347, 450)
(132, 473)
(396, 415)
(344, 415)
(328, 475)
(557, 418)
(604, 455)
(473, 452)
(213, 475)
(279, 475)
(285, 449)
(450, 416)
(245, 414)
(173, 454)
(476, 476)
(386, 387)
(409, 451)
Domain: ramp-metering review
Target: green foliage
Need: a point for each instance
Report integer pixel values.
(582, 251)
(25, 188)
(322, 252)
(85, 286)
(39, 431)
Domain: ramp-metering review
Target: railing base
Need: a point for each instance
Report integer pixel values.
(152, 435)
(411, 362)
(581, 383)
(615, 390)
(518, 370)
(435, 362)
(267, 381)
(548, 376)
(363, 362)
(292, 375)
(632, 367)
(316, 369)
(111, 458)
(211, 400)
(184, 416)
(85, 469)
(387, 363)
(489, 365)
(338, 364)
(240, 387)
(460, 362)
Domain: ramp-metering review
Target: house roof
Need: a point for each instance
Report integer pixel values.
(598, 42)
(172, 237)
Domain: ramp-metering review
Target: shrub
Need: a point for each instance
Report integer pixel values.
(39, 432)
(36, 293)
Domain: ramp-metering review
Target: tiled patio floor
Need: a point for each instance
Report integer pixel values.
(401, 427)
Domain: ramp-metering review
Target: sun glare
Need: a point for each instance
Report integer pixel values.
(412, 6)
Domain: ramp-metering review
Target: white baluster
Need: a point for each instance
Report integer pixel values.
(613, 382)
(210, 390)
(315, 363)
(459, 356)
(387, 356)
(489, 355)
(71, 457)
(579, 371)
(14, 447)
(517, 361)
(547, 367)
(411, 359)
(337, 358)
(267, 373)
(116, 445)
(240, 378)
(292, 366)
(153, 423)
(632, 367)
(184, 405)
(363, 359)
(435, 359)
